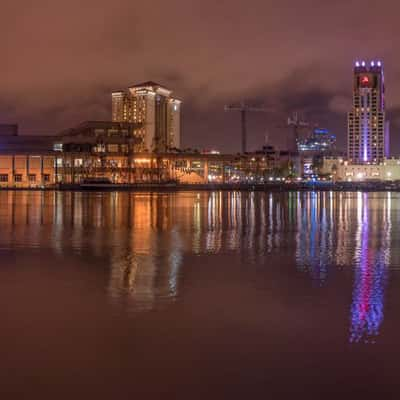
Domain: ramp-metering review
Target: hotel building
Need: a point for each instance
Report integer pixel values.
(368, 130)
(152, 106)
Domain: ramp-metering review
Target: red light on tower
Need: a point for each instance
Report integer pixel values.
(365, 81)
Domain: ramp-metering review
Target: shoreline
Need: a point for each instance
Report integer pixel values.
(267, 187)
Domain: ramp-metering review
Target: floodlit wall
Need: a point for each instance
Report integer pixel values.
(26, 171)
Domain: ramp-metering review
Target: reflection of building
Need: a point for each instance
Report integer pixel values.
(370, 275)
(141, 240)
(313, 252)
(368, 131)
(336, 230)
(132, 238)
(153, 106)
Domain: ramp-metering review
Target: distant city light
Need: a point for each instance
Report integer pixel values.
(212, 151)
(363, 63)
(142, 160)
(379, 64)
(357, 64)
(372, 63)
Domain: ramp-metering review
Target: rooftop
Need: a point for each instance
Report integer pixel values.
(149, 84)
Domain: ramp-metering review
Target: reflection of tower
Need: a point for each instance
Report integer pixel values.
(313, 252)
(368, 132)
(370, 280)
(146, 257)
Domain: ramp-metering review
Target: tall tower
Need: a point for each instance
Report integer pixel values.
(368, 130)
(152, 105)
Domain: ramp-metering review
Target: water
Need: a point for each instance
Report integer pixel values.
(199, 295)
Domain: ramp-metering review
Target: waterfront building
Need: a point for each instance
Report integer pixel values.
(345, 171)
(368, 129)
(111, 151)
(153, 106)
(85, 153)
(312, 148)
(25, 161)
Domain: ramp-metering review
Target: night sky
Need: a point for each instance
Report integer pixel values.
(61, 59)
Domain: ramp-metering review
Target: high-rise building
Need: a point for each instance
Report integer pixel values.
(152, 105)
(321, 141)
(368, 130)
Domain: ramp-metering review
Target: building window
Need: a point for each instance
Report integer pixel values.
(99, 148)
(46, 177)
(3, 178)
(32, 178)
(18, 178)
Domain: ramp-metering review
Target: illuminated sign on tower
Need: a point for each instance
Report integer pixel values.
(368, 130)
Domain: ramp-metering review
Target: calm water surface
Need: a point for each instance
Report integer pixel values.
(199, 295)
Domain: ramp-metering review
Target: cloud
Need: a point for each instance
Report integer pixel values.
(65, 55)
(340, 104)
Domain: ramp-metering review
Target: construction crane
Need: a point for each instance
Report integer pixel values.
(244, 109)
(296, 122)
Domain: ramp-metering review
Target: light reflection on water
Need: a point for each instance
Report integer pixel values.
(371, 259)
(143, 238)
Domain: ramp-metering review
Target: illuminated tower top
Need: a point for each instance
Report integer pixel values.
(369, 85)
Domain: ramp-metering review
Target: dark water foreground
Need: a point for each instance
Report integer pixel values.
(225, 295)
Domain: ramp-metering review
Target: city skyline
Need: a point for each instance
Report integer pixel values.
(207, 69)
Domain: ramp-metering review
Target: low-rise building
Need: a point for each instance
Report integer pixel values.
(26, 161)
(113, 151)
(342, 170)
